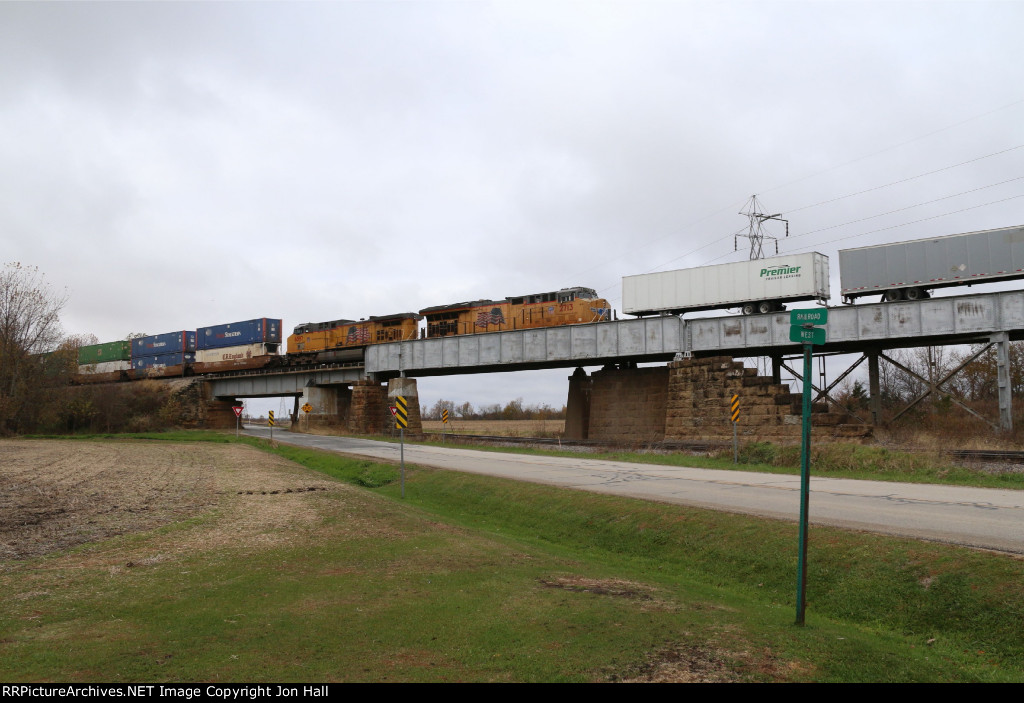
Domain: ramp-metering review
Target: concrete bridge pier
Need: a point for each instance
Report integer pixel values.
(331, 406)
(369, 411)
(406, 387)
(577, 406)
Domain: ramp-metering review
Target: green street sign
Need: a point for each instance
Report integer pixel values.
(815, 316)
(807, 335)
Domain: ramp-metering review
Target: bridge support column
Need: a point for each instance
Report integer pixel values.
(330, 406)
(874, 387)
(577, 406)
(1002, 342)
(406, 387)
(369, 411)
(777, 369)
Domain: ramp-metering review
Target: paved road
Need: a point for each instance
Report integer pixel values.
(975, 517)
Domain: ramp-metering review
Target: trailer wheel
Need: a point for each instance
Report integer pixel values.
(748, 308)
(916, 294)
(765, 307)
(894, 294)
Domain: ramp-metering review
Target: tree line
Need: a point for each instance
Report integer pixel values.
(512, 410)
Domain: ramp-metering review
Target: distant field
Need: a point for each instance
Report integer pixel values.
(505, 428)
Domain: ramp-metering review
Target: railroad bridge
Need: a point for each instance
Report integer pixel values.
(681, 399)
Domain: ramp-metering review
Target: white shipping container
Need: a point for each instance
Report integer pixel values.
(239, 353)
(761, 286)
(105, 367)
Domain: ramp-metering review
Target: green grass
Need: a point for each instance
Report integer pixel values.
(479, 579)
(833, 459)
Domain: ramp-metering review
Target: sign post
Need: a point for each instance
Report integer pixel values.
(734, 415)
(401, 413)
(238, 415)
(803, 331)
(444, 421)
(270, 423)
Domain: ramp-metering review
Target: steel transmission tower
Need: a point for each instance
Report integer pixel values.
(756, 232)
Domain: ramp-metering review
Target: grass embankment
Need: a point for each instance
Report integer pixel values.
(480, 579)
(833, 459)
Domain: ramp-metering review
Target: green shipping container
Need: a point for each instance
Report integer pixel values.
(110, 351)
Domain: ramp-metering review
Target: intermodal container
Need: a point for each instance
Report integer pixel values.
(161, 360)
(263, 330)
(244, 351)
(105, 367)
(170, 342)
(110, 351)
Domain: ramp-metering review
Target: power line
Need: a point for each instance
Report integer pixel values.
(909, 207)
(895, 146)
(904, 180)
(914, 222)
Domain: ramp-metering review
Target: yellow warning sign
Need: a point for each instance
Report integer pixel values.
(734, 409)
(401, 413)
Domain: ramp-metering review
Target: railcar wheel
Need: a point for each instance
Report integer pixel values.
(748, 309)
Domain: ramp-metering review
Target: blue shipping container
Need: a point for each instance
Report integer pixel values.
(263, 330)
(167, 343)
(160, 360)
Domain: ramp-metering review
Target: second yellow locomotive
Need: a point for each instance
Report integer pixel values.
(568, 306)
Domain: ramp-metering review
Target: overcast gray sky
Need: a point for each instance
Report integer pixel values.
(177, 165)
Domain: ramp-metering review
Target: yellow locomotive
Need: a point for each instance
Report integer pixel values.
(568, 306)
(343, 340)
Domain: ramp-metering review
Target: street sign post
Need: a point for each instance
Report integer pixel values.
(270, 424)
(238, 415)
(734, 416)
(401, 413)
(803, 331)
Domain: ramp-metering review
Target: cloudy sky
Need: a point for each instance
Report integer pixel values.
(176, 165)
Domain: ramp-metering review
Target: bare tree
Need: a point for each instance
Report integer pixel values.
(29, 327)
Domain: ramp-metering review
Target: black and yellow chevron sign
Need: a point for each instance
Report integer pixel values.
(734, 409)
(401, 413)
(444, 416)
(270, 418)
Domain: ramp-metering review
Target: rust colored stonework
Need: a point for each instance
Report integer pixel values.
(690, 399)
(700, 391)
(369, 412)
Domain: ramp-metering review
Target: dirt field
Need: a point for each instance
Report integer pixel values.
(54, 494)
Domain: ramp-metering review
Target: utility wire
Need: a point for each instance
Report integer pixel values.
(895, 146)
(914, 222)
(909, 207)
(832, 168)
(904, 180)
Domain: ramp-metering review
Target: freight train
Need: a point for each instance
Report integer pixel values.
(256, 343)
(899, 271)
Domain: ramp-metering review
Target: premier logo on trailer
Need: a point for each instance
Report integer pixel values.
(780, 272)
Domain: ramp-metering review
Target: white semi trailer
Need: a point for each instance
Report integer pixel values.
(758, 286)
